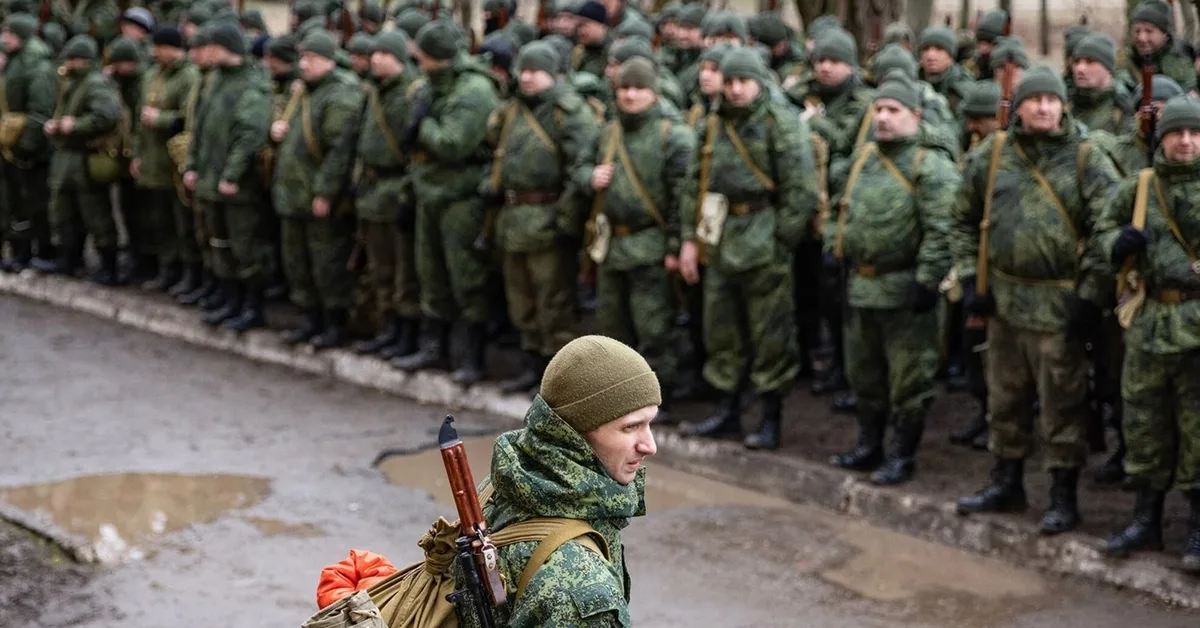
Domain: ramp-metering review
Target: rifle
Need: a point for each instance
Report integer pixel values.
(476, 554)
(876, 33)
(346, 24)
(45, 13)
(543, 20)
(1146, 110)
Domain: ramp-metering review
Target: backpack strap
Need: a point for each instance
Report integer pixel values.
(1140, 201)
(844, 203)
(507, 115)
(985, 225)
(551, 533)
(863, 128)
(742, 152)
(380, 121)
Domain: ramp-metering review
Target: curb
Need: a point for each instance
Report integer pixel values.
(1015, 541)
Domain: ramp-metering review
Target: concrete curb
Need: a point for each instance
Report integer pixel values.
(78, 548)
(1007, 538)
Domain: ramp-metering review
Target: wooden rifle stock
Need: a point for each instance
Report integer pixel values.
(1146, 110)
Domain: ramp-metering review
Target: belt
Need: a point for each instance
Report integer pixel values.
(746, 207)
(1025, 281)
(532, 197)
(621, 231)
(1176, 296)
(878, 270)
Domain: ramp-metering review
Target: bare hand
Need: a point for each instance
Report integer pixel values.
(227, 188)
(279, 130)
(689, 263)
(671, 263)
(50, 127)
(810, 110)
(320, 207)
(135, 168)
(602, 176)
(66, 125)
(189, 180)
(150, 116)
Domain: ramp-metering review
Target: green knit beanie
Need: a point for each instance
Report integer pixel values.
(982, 100)
(940, 37)
(726, 23)
(539, 55)
(771, 30)
(595, 380)
(81, 47)
(373, 12)
(630, 48)
(990, 26)
(1154, 12)
(563, 47)
(1180, 112)
(692, 15)
(122, 49)
(227, 35)
(439, 39)
(900, 88)
(1074, 34)
(1099, 48)
(283, 48)
(361, 44)
(821, 25)
(637, 72)
(411, 20)
(22, 25)
(253, 18)
(741, 62)
(898, 32)
(394, 43)
(321, 43)
(716, 53)
(894, 57)
(1040, 79)
(634, 28)
(1009, 48)
(1162, 88)
(836, 44)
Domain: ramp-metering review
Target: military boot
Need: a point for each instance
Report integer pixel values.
(727, 421)
(845, 403)
(251, 316)
(471, 371)
(407, 335)
(527, 379)
(168, 274)
(967, 435)
(334, 334)
(1113, 470)
(214, 300)
(231, 303)
(434, 352)
(901, 461)
(831, 380)
(1005, 493)
(1063, 514)
(189, 279)
(310, 325)
(867, 454)
(21, 254)
(386, 337)
(106, 275)
(46, 259)
(1191, 556)
(205, 287)
(145, 268)
(767, 435)
(1146, 530)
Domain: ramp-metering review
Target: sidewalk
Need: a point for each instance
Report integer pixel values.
(923, 508)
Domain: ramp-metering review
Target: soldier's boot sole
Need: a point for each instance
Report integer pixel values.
(895, 471)
(1145, 532)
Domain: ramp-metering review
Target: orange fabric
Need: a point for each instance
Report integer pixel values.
(361, 570)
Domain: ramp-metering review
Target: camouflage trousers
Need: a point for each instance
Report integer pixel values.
(239, 247)
(315, 253)
(1024, 366)
(137, 215)
(891, 361)
(391, 269)
(25, 208)
(453, 274)
(199, 211)
(77, 213)
(748, 317)
(637, 307)
(154, 222)
(1162, 418)
(540, 290)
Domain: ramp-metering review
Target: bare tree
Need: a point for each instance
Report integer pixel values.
(867, 18)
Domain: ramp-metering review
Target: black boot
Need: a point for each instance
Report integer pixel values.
(406, 340)
(214, 300)
(106, 275)
(845, 403)
(470, 371)
(1145, 532)
(311, 325)
(168, 275)
(145, 268)
(867, 454)
(981, 441)
(189, 279)
(334, 334)
(1063, 514)
(1005, 493)
(434, 352)
(385, 337)
(1191, 556)
(727, 421)
(965, 436)
(251, 316)
(832, 380)
(46, 260)
(203, 288)
(528, 378)
(901, 461)
(22, 252)
(231, 303)
(768, 432)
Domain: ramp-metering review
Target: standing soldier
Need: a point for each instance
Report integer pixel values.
(1153, 226)
(361, 47)
(97, 18)
(88, 110)
(758, 194)
(448, 133)
(204, 293)
(987, 31)
(1152, 41)
(1033, 253)
(136, 25)
(892, 236)
(125, 69)
(666, 85)
(690, 39)
(1129, 148)
(384, 201)
(644, 180)
(539, 174)
(28, 98)
(939, 45)
(373, 17)
(231, 128)
(316, 150)
(164, 97)
(1097, 101)
(591, 53)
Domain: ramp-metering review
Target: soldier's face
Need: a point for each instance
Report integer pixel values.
(10, 41)
(1182, 146)
(1041, 113)
(591, 32)
(690, 36)
(670, 31)
(741, 91)
(124, 68)
(622, 445)
(564, 24)
(164, 55)
(360, 63)
(983, 126)
(711, 80)
(634, 100)
(533, 82)
(893, 120)
(934, 60)
(831, 72)
(132, 31)
(1089, 74)
(384, 65)
(984, 48)
(1147, 39)
(314, 66)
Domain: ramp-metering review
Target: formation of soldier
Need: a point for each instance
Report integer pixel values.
(756, 183)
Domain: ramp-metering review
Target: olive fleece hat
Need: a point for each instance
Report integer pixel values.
(1162, 88)
(940, 37)
(742, 62)
(821, 25)
(539, 55)
(716, 53)
(283, 48)
(1155, 13)
(898, 32)
(394, 43)
(361, 44)
(630, 48)
(228, 35)
(692, 15)
(894, 57)
(836, 44)
(22, 25)
(411, 20)
(1180, 112)
(439, 39)
(900, 88)
(637, 72)
(321, 43)
(1074, 34)
(634, 28)
(122, 49)
(595, 380)
(1007, 48)
(982, 100)
(1040, 79)
(81, 47)
(990, 26)
(1099, 48)
(770, 29)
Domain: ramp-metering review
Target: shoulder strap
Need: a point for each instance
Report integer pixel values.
(538, 129)
(1140, 200)
(293, 101)
(864, 153)
(863, 128)
(614, 136)
(306, 125)
(745, 155)
(1172, 225)
(985, 225)
(1045, 185)
(551, 533)
(706, 151)
(638, 187)
(377, 112)
(821, 158)
(509, 113)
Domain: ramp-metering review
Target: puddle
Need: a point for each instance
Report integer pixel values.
(275, 527)
(666, 489)
(119, 511)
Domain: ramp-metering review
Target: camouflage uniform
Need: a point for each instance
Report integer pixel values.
(140, 221)
(953, 84)
(844, 120)
(1168, 61)
(96, 18)
(1103, 110)
(590, 59)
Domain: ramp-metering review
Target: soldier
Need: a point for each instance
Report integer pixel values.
(136, 25)
(892, 236)
(88, 109)
(690, 40)
(564, 18)
(591, 51)
(28, 93)
(256, 26)
(1096, 100)
(195, 18)
(708, 85)
(206, 293)
(1152, 41)
(897, 35)
(935, 109)
(230, 130)
(54, 36)
(500, 51)
(447, 131)
(500, 16)
(125, 68)
(97, 18)
(725, 27)
(311, 188)
(1044, 306)
(361, 47)
(410, 21)
(757, 165)
(788, 60)
(384, 201)
(1009, 49)
(168, 231)
(373, 18)
(939, 46)
(620, 12)
(632, 28)
(666, 86)
(1129, 147)
(1162, 356)
(989, 28)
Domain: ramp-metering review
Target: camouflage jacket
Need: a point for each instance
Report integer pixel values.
(453, 152)
(938, 127)
(1168, 60)
(590, 59)
(1127, 150)
(792, 63)
(129, 86)
(544, 144)
(547, 469)
(780, 146)
(316, 156)
(1038, 258)
(1158, 327)
(846, 108)
(668, 87)
(954, 84)
(29, 87)
(232, 123)
(1103, 110)
(897, 222)
(90, 16)
(167, 89)
(383, 186)
(979, 67)
(688, 72)
(661, 149)
(94, 103)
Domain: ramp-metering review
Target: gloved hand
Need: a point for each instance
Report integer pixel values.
(924, 299)
(1084, 320)
(420, 111)
(491, 198)
(1130, 241)
(406, 218)
(974, 303)
(830, 263)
